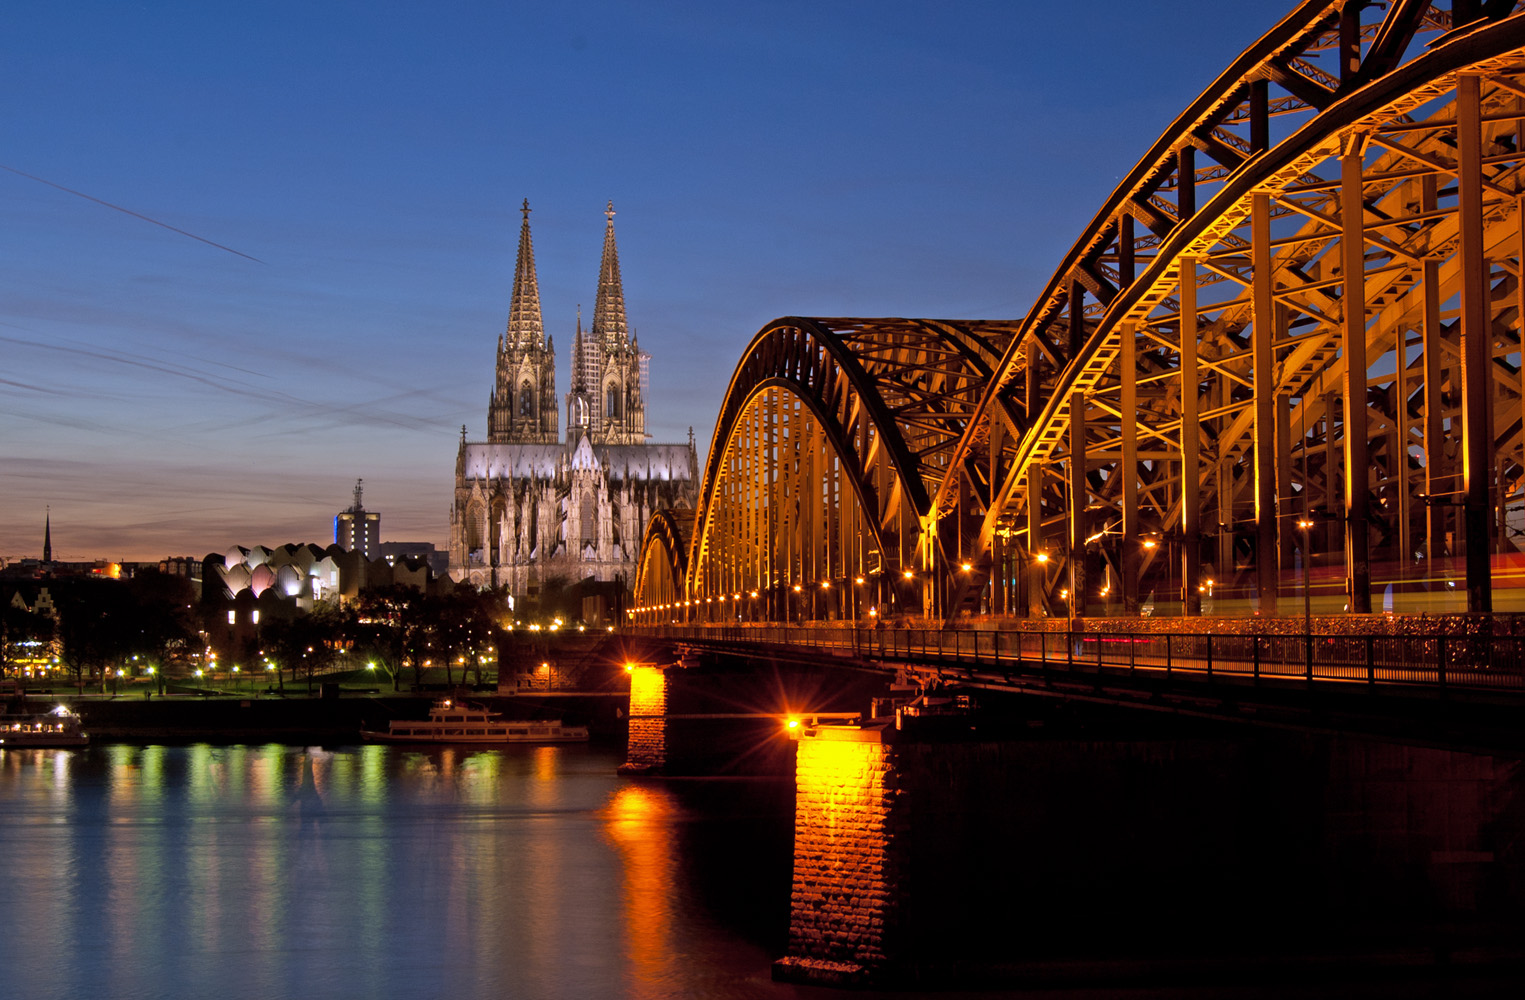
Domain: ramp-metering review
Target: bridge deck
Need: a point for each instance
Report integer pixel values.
(1440, 689)
(1423, 661)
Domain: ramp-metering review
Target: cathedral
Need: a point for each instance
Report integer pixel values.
(533, 509)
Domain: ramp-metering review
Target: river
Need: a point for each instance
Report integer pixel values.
(278, 871)
(274, 871)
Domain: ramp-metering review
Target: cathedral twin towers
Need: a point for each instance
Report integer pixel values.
(534, 510)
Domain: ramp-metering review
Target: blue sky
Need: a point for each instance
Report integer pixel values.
(169, 397)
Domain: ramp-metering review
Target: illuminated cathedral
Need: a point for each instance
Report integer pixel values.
(534, 509)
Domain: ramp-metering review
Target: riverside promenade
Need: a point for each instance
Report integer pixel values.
(295, 717)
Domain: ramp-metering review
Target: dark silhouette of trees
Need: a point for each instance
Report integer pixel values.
(401, 627)
(392, 629)
(167, 632)
(96, 624)
(309, 644)
(104, 623)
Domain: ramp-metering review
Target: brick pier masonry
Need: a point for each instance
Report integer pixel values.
(885, 891)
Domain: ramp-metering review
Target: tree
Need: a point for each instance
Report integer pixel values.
(309, 643)
(164, 608)
(465, 623)
(388, 620)
(97, 626)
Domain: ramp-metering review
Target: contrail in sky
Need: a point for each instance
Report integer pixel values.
(128, 211)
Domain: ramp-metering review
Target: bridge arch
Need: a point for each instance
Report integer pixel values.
(661, 574)
(1286, 356)
(830, 438)
(1332, 285)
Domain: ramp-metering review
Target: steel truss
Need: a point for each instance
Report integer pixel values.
(832, 437)
(1302, 347)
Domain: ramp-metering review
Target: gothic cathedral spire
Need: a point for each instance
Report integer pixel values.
(523, 404)
(609, 328)
(607, 399)
(524, 325)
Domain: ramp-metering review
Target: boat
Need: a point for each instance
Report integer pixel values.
(453, 721)
(58, 728)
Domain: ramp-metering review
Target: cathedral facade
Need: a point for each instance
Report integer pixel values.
(534, 508)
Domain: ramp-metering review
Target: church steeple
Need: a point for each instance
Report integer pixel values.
(523, 404)
(609, 309)
(524, 326)
(47, 536)
(607, 400)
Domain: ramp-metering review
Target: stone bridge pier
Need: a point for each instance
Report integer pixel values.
(902, 862)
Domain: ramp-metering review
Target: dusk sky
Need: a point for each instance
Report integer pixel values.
(343, 181)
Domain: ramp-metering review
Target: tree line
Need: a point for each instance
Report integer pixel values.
(100, 625)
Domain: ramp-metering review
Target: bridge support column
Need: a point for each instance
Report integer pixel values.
(1036, 579)
(1191, 471)
(646, 748)
(1131, 556)
(1264, 376)
(1079, 500)
(1476, 347)
(897, 864)
(1354, 424)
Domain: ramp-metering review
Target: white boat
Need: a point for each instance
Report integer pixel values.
(457, 722)
(58, 728)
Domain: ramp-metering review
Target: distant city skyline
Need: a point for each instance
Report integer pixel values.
(254, 254)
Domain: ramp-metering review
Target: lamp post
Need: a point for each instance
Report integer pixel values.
(1305, 525)
(371, 666)
(1037, 582)
(1150, 544)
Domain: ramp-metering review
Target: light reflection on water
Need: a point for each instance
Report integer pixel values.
(275, 871)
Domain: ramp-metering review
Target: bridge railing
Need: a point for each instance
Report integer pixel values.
(1435, 661)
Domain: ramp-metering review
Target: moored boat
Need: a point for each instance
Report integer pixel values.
(452, 721)
(58, 728)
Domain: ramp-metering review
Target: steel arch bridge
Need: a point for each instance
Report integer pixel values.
(1285, 356)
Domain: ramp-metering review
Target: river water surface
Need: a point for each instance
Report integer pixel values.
(230, 872)
(275, 871)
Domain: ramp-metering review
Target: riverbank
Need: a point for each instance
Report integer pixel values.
(266, 718)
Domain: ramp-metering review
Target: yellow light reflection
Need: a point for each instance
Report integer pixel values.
(638, 820)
